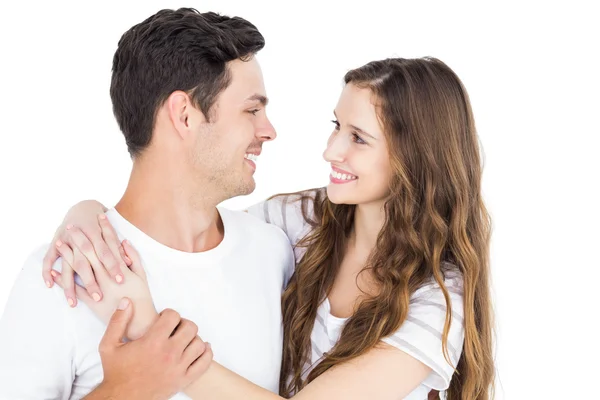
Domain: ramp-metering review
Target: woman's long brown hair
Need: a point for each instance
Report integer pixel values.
(435, 215)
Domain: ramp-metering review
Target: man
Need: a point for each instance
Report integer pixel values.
(189, 97)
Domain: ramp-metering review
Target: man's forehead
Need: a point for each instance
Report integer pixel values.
(244, 71)
(247, 84)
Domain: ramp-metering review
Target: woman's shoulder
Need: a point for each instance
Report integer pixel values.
(294, 212)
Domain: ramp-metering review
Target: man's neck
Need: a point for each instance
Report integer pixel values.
(163, 205)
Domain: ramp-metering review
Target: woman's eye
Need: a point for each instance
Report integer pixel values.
(357, 139)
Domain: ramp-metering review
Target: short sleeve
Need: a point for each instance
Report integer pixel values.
(420, 335)
(286, 212)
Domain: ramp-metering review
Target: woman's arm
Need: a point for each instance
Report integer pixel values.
(412, 356)
(220, 383)
(135, 287)
(375, 374)
(81, 235)
(80, 238)
(382, 373)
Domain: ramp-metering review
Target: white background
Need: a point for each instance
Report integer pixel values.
(531, 71)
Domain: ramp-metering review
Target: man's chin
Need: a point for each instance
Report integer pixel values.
(251, 186)
(246, 187)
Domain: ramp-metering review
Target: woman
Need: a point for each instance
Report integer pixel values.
(393, 254)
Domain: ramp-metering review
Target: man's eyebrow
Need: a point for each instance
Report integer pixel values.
(260, 98)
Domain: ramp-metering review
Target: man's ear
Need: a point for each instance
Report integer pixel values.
(181, 112)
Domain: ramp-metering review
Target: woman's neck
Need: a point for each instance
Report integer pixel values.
(368, 222)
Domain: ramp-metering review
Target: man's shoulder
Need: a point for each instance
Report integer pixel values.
(37, 329)
(31, 268)
(35, 258)
(29, 297)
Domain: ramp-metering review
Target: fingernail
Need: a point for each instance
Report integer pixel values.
(48, 283)
(71, 301)
(58, 243)
(102, 216)
(119, 278)
(69, 226)
(123, 304)
(96, 296)
(53, 273)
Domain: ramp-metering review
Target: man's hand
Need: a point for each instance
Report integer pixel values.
(158, 365)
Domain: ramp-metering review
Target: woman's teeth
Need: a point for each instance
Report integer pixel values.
(344, 177)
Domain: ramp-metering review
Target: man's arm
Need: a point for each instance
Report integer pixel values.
(158, 365)
(36, 342)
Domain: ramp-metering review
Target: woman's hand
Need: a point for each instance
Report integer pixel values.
(134, 286)
(81, 237)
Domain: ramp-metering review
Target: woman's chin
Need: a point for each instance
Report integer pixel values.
(338, 195)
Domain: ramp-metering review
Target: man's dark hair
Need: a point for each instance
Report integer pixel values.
(175, 50)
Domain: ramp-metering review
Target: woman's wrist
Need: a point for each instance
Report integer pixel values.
(140, 325)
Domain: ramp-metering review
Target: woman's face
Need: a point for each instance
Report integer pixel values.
(357, 151)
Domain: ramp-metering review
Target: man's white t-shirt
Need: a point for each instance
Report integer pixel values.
(232, 292)
(420, 335)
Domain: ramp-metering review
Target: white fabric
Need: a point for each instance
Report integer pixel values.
(232, 292)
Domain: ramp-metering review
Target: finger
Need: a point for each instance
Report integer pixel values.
(136, 263)
(167, 321)
(193, 351)
(49, 260)
(57, 277)
(84, 242)
(185, 332)
(124, 257)
(99, 238)
(65, 251)
(115, 266)
(66, 261)
(79, 291)
(68, 276)
(83, 268)
(201, 365)
(117, 326)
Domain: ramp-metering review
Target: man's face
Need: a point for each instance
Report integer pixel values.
(227, 146)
